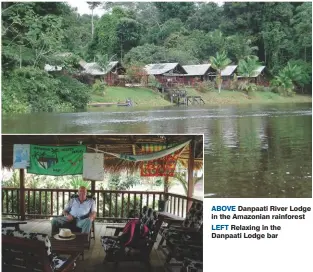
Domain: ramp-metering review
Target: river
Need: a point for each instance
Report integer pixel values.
(250, 150)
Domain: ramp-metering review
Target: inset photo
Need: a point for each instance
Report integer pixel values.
(131, 200)
(158, 67)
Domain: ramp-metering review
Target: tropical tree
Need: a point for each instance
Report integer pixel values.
(295, 73)
(92, 6)
(247, 66)
(302, 24)
(181, 178)
(288, 78)
(283, 84)
(240, 47)
(219, 62)
(77, 181)
(181, 10)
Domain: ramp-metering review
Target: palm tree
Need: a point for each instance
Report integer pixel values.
(289, 77)
(219, 62)
(247, 66)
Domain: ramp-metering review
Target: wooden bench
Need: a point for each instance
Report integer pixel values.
(20, 254)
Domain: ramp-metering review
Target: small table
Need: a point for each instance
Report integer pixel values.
(11, 224)
(75, 246)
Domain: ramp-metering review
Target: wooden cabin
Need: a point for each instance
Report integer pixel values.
(195, 73)
(114, 74)
(166, 73)
(228, 74)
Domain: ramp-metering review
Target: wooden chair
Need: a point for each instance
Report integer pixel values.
(19, 254)
(192, 223)
(72, 226)
(140, 251)
(186, 248)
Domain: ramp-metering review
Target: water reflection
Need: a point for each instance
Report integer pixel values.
(250, 150)
(265, 157)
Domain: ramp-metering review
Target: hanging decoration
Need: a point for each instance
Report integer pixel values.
(21, 156)
(160, 167)
(56, 160)
(93, 166)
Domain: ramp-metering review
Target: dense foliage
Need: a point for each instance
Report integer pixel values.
(276, 34)
(35, 34)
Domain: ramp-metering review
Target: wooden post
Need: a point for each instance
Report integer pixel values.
(165, 188)
(22, 194)
(93, 187)
(191, 162)
(166, 191)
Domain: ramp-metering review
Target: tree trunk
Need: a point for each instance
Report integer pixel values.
(20, 56)
(219, 82)
(92, 24)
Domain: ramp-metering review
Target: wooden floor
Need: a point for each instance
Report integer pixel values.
(93, 261)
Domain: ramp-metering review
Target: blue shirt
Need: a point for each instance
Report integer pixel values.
(77, 209)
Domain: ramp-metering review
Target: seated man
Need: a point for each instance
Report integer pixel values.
(81, 209)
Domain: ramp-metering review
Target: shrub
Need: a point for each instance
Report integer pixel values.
(99, 87)
(153, 83)
(32, 89)
(247, 87)
(135, 74)
(283, 91)
(205, 86)
(12, 104)
(72, 91)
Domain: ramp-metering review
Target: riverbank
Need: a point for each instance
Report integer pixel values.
(139, 96)
(148, 97)
(235, 97)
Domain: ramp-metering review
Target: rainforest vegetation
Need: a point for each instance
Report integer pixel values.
(278, 35)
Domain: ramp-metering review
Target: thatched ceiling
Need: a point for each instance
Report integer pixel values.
(126, 144)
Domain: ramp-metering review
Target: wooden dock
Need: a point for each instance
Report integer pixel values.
(107, 104)
(194, 100)
(180, 97)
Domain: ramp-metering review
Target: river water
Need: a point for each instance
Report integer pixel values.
(250, 150)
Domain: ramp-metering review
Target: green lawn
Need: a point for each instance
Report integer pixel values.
(236, 97)
(147, 97)
(140, 96)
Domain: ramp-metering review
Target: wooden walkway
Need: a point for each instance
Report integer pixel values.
(93, 261)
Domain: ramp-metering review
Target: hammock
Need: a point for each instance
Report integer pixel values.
(146, 157)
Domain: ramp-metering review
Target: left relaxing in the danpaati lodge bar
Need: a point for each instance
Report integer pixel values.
(98, 200)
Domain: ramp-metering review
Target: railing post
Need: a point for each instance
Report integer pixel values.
(166, 192)
(22, 194)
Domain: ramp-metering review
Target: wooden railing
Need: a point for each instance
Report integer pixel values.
(178, 204)
(111, 205)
